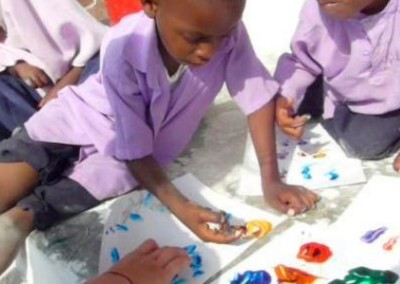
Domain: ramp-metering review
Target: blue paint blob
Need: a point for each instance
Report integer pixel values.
(371, 236)
(197, 273)
(196, 261)
(135, 217)
(122, 228)
(252, 277)
(115, 258)
(333, 175)
(178, 280)
(306, 172)
(190, 249)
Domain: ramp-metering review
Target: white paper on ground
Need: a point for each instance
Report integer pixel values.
(376, 206)
(316, 161)
(283, 250)
(124, 234)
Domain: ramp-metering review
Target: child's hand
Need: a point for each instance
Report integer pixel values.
(290, 125)
(32, 75)
(50, 95)
(201, 221)
(288, 199)
(149, 264)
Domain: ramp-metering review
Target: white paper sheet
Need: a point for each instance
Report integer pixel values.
(283, 250)
(316, 161)
(373, 210)
(152, 220)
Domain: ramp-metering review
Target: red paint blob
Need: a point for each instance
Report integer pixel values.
(314, 252)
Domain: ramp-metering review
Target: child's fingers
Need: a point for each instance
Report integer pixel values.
(295, 133)
(147, 247)
(207, 215)
(219, 237)
(175, 266)
(167, 254)
(300, 121)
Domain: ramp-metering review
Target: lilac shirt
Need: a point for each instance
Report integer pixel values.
(359, 59)
(49, 34)
(128, 111)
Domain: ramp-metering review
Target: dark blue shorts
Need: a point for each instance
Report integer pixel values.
(56, 197)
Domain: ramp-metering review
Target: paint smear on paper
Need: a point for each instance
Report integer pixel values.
(115, 257)
(373, 235)
(293, 275)
(364, 275)
(390, 243)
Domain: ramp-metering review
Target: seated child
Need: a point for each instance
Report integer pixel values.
(46, 47)
(160, 71)
(355, 46)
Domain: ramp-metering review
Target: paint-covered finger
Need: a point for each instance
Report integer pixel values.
(294, 202)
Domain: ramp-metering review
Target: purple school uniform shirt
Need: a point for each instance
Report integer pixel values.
(128, 111)
(359, 59)
(51, 35)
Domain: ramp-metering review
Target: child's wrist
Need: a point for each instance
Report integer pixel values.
(121, 276)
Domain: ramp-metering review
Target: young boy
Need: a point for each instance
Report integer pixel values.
(160, 72)
(355, 46)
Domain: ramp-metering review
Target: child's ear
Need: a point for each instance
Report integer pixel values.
(150, 7)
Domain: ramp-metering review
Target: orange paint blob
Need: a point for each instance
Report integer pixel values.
(287, 274)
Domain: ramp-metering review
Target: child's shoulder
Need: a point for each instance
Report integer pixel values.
(130, 38)
(312, 17)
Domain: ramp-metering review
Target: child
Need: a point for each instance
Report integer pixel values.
(355, 45)
(46, 47)
(160, 71)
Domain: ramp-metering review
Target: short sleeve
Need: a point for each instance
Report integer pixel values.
(134, 137)
(295, 72)
(248, 81)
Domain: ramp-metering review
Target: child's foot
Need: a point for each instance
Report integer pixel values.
(396, 163)
(15, 226)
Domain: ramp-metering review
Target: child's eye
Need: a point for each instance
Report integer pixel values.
(193, 40)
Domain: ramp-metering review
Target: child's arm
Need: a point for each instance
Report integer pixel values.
(285, 198)
(297, 71)
(151, 176)
(33, 76)
(71, 78)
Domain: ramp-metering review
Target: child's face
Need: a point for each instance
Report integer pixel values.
(346, 9)
(191, 31)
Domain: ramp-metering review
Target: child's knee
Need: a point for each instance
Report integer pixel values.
(366, 151)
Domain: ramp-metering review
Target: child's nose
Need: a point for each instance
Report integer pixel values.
(205, 51)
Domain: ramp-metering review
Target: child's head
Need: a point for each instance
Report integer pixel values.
(346, 9)
(190, 31)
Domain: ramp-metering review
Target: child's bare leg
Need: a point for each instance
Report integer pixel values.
(396, 163)
(16, 181)
(15, 226)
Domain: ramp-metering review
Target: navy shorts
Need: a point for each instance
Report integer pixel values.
(362, 136)
(56, 197)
